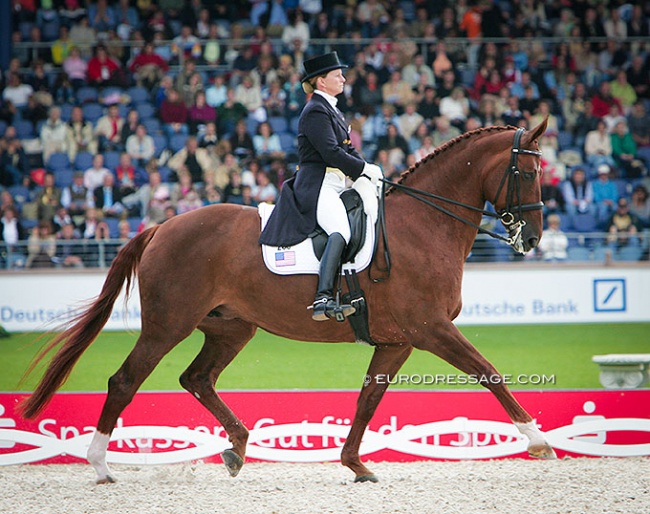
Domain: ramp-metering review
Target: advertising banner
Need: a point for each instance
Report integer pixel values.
(171, 427)
(37, 302)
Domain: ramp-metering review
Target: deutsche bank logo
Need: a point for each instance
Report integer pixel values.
(609, 295)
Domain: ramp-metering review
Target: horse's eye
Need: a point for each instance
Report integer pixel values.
(529, 175)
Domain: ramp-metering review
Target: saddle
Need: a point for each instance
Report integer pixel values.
(358, 221)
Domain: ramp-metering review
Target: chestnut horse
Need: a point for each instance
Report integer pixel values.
(204, 270)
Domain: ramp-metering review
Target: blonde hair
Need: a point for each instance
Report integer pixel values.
(308, 86)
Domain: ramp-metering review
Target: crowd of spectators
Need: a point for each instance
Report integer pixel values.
(116, 115)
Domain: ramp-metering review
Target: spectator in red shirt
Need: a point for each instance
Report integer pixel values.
(603, 100)
(174, 114)
(148, 67)
(103, 70)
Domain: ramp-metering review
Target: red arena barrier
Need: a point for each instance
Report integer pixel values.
(162, 428)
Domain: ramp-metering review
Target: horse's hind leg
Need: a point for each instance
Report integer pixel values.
(386, 361)
(223, 341)
(122, 386)
(448, 343)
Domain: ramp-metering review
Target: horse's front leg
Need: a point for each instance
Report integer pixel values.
(386, 361)
(445, 340)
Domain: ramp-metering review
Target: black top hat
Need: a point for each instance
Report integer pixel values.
(321, 65)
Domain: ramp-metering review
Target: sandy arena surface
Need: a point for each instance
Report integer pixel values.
(581, 485)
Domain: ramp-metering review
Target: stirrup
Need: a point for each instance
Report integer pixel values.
(327, 308)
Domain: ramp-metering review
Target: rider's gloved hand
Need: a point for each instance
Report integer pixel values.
(373, 172)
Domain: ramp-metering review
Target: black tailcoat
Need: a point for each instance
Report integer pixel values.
(323, 141)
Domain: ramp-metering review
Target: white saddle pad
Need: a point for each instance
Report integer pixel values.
(301, 259)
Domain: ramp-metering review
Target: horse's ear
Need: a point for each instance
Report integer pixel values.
(535, 133)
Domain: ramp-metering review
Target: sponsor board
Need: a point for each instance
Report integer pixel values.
(170, 427)
(509, 296)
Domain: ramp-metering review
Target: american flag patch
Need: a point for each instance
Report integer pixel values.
(285, 259)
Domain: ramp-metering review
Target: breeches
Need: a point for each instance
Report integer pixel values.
(330, 211)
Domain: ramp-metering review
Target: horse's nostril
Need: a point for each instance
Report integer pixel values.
(532, 242)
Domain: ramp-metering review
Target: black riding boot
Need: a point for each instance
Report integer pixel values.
(325, 306)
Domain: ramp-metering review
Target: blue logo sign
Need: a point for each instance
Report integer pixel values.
(609, 295)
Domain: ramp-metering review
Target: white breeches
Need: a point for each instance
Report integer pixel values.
(330, 211)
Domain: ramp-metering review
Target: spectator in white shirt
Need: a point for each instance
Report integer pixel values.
(553, 245)
(54, 134)
(94, 176)
(140, 146)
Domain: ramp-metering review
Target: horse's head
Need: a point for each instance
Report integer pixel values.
(517, 193)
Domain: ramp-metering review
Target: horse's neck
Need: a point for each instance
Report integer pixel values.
(449, 176)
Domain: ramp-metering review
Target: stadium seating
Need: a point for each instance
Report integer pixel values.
(145, 110)
(87, 94)
(177, 142)
(111, 160)
(153, 126)
(83, 161)
(160, 143)
(138, 94)
(63, 177)
(578, 254)
(92, 111)
(629, 254)
(278, 124)
(584, 222)
(24, 129)
(58, 161)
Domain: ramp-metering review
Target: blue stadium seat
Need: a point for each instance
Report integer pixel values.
(66, 112)
(160, 142)
(58, 161)
(177, 142)
(145, 110)
(287, 141)
(63, 177)
(293, 124)
(165, 173)
(578, 254)
(278, 124)
(83, 161)
(600, 253)
(113, 226)
(564, 140)
(629, 254)
(111, 160)
(251, 125)
(152, 125)
(3, 127)
(87, 94)
(92, 111)
(24, 129)
(138, 94)
(584, 222)
(134, 223)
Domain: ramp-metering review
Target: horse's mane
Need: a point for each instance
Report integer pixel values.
(446, 146)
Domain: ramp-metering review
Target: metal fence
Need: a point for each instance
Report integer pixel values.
(586, 248)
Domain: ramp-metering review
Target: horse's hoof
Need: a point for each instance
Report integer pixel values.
(366, 478)
(232, 461)
(108, 479)
(542, 451)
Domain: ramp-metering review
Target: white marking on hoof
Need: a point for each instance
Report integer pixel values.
(537, 444)
(97, 457)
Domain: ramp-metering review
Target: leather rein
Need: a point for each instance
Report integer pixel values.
(511, 180)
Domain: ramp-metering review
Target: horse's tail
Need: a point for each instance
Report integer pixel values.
(85, 327)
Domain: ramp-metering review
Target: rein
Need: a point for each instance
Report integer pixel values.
(511, 179)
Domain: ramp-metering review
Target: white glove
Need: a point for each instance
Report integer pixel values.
(373, 172)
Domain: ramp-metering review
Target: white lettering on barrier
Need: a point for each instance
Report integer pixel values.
(294, 442)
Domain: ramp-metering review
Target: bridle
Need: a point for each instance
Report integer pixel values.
(511, 180)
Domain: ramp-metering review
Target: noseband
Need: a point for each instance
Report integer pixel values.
(511, 180)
